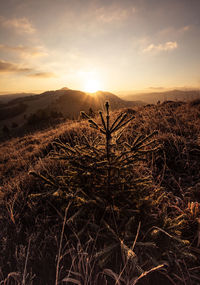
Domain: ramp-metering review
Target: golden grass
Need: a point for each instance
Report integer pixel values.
(169, 234)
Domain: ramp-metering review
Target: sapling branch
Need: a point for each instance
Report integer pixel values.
(102, 120)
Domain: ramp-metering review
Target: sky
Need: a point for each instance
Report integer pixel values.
(111, 45)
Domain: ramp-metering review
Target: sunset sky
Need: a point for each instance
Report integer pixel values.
(114, 45)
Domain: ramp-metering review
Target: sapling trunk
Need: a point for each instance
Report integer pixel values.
(108, 140)
(108, 135)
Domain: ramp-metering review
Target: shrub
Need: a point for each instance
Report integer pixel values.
(102, 184)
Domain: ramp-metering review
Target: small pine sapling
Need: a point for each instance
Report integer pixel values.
(101, 180)
(102, 172)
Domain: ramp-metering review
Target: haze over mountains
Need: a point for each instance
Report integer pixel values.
(173, 95)
(5, 98)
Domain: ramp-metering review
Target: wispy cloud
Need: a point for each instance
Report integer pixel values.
(155, 88)
(175, 32)
(20, 25)
(185, 29)
(24, 50)
(9, 67)
(42, 75)
(168, 46)
(113, 14)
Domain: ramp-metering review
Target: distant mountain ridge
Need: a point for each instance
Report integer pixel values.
(173, 95)
(8, 97)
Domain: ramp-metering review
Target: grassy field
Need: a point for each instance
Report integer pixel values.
(79, 220)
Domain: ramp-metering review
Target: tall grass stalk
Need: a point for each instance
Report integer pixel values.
(60, 245)
(26, 261)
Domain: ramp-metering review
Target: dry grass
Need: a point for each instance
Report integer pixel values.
(32, 248)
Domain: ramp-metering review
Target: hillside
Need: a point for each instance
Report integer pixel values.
(53, 227)
(66, 102)
(173, 95)
(5, 98)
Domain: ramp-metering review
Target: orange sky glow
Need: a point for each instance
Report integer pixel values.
(115, 46)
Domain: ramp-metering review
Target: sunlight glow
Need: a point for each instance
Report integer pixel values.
(92, 85)
(91, 82)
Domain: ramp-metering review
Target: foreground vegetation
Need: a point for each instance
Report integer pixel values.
(88, 216)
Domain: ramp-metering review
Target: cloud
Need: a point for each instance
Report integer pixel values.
(156, 88)
(185, 29)
(20, 25)
(24, 50)
(175, 32)
(168, 46)
(113, 14)
(9, 67)
(42, 74)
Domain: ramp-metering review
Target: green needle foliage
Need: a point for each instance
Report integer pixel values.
(103, 182)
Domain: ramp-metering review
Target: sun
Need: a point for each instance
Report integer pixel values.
(91, 85)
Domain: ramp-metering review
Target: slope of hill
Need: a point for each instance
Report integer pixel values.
(66, 101)
(174, 95)
(159, 239)
(4, 99)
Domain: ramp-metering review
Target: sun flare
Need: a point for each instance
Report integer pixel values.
(92, 85)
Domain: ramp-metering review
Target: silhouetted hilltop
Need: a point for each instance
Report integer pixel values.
(65, 101)
(64, 88)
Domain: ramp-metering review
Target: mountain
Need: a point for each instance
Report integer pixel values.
(4, 99)
(64, 88)
(64, 101)
(116, 102)
(71, 102)
(173, 95)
